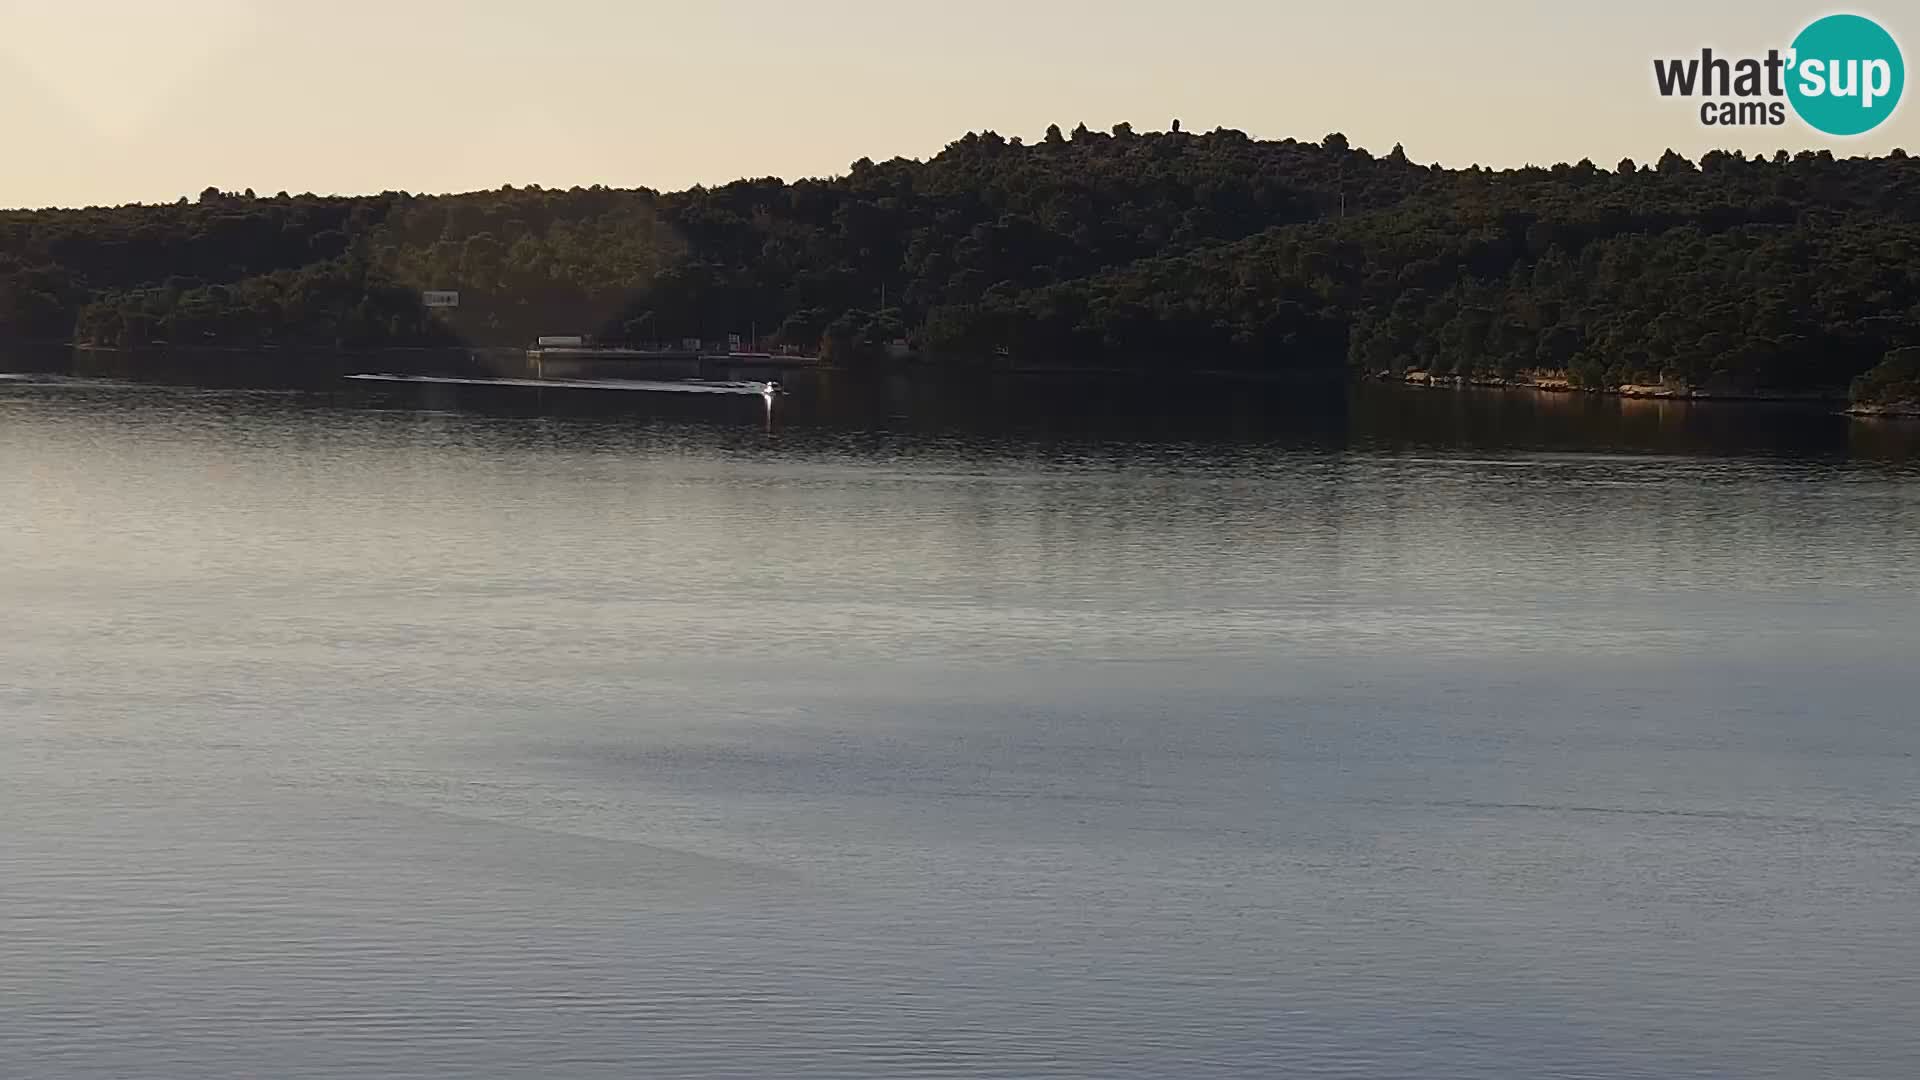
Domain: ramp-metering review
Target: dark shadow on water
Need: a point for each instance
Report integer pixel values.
(1010, 410)
(1397, 417)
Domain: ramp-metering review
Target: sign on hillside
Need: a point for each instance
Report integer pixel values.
(440, 299)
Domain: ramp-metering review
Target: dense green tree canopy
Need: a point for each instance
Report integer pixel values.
(1172, 249)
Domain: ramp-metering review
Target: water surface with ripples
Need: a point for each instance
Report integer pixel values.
(974, 733)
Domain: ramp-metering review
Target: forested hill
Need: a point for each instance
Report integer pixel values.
(1159, 250)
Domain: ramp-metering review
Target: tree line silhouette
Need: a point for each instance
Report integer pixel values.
(1160, 251)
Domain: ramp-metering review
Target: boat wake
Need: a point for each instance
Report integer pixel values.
(681, 386)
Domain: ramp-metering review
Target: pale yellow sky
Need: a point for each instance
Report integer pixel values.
(109, 101)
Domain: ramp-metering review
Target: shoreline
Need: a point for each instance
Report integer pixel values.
(1903, 410)
(1846, 406)
(1837, 398)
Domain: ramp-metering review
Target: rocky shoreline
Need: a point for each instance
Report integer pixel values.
(1558, 384)
(1897, 410)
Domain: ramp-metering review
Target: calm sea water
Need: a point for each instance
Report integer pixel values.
(1401, 735)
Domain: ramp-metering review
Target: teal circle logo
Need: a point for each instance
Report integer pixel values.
(1846, 76)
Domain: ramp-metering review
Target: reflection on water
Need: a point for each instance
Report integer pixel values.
(996, 730)
(1030, 409)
